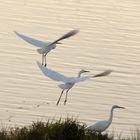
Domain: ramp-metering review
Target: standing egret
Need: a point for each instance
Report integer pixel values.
(68, 82)
(45, 48)
(103, 125)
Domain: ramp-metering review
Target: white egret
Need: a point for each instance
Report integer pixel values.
(103, 125)
(68, 82)
(45, 48)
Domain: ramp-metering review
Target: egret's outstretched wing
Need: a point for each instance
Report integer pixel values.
(52, 74)
(67, 35)
(32, 41)
(80, 79)
(105, 73)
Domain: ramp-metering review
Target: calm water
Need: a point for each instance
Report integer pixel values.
(108, 39)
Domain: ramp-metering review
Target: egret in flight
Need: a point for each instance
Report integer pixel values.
(68, 82)
(45, 48)
(103, 125)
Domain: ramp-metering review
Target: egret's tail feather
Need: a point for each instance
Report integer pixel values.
(62, 86)
(39, 51)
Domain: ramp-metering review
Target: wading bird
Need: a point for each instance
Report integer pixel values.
(68, 82)
(45, 48)
(103, 125)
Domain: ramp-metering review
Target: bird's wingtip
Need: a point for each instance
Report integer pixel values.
(41, 67)
(107, 72)
(38, 63)
(16, 33)
(73, 32)
(76, 31)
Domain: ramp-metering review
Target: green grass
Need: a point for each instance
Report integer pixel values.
(68, 129)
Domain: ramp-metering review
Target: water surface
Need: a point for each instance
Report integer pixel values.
(108, 39)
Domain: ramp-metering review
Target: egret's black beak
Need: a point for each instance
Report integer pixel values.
(121, 107)
(86, 71)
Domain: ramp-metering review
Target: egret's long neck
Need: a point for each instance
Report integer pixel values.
(79, 74)
(111, 115)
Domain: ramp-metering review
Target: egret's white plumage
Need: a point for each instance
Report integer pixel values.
(45, 47)
(103, 125)
(33, 41)
(68, 82)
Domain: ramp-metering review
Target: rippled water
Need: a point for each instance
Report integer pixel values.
(108, 39)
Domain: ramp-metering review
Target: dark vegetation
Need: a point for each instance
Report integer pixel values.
(68, 129)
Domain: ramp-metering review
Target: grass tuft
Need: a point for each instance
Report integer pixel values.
(68, 129)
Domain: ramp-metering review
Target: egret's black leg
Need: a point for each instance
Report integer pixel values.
(60, 97)
(45, 61)
(42, 59)
(66, 96)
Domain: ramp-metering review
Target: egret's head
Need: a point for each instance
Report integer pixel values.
(116, 106)
(82, 71)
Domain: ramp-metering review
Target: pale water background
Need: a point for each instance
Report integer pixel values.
(109, 38)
